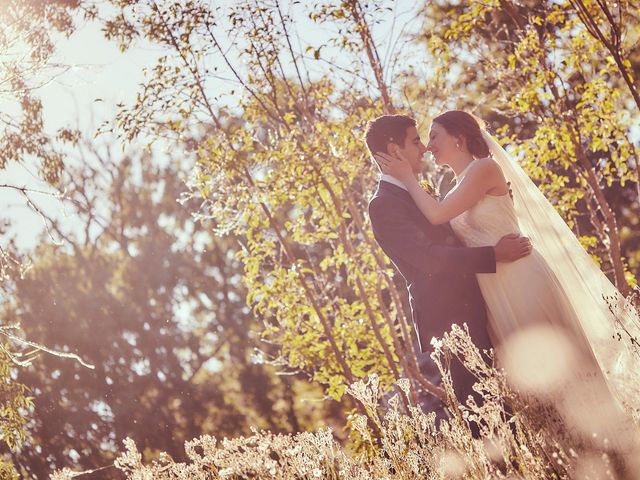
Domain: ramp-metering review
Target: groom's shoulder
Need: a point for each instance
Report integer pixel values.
(379, 196)
(382, 202)
(385, 191)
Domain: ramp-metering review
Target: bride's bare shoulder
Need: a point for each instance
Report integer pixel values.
(486, 166)
(488, 173)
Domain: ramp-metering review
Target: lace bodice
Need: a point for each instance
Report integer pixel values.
(487, 221)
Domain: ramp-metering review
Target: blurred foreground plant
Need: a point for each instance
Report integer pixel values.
(518, 441)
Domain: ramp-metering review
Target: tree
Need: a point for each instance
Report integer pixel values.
(289, 179)
(27, 43)
(155, 301)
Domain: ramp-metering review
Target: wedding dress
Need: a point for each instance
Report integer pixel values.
(553, 330)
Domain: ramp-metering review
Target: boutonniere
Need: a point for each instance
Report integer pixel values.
(430, 189)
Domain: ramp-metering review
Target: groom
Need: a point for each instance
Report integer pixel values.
(439, 270)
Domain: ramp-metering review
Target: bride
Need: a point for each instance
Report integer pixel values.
(554, 330)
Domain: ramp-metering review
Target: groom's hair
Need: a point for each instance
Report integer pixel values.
(387, 129)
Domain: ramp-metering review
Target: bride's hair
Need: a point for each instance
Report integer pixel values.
(462, 124)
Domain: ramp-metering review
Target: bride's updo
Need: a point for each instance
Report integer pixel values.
(463, 124)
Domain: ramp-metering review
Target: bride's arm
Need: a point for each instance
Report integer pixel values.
(472, 188)
(483, 176)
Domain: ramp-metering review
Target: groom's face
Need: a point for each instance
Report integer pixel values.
(413, 149)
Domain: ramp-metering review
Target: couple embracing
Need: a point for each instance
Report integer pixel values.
(495, 255)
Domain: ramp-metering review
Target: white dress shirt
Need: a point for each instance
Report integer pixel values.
(388, 178)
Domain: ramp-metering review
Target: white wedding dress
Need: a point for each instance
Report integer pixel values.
(520, 294)
(540, 338)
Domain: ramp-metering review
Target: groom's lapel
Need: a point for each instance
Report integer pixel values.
(386, 188)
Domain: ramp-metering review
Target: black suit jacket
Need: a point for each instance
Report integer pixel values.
(438, 269)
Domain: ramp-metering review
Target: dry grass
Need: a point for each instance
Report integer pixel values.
(523, 437)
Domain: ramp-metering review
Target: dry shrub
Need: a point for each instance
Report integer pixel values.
(522, 436)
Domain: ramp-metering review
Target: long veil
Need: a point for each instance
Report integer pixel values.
(610, 323)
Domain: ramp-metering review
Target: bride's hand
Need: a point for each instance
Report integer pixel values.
(397, 167)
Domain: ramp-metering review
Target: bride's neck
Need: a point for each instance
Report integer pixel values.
(459, 164)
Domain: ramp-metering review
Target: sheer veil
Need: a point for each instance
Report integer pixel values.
(611, 325)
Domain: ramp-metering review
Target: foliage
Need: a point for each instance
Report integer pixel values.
(27, 42)
(15, 403)
(26, 46)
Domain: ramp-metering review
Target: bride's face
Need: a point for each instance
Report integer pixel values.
(442, 145)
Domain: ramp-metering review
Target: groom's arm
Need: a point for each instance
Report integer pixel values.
(400, 238)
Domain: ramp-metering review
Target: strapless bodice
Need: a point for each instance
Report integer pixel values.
(487, 221)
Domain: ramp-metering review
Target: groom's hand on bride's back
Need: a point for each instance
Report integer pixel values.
(512, 247)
